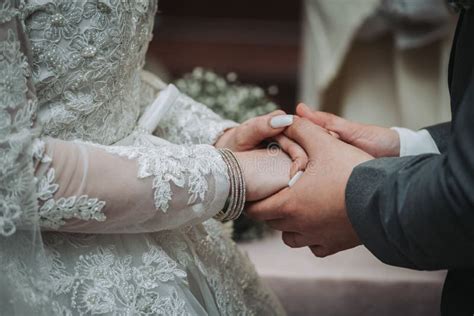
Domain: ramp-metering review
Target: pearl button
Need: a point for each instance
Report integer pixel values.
(57, 19)
(89, 52)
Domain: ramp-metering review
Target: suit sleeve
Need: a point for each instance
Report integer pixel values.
(440, 134)
(418, 212)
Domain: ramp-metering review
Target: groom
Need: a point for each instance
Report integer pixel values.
(415, 211)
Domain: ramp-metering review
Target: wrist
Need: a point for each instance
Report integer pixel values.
(386, 143)
(264, 172)
(242, 158)
(225, 140)
(395, 143)
(235, 202)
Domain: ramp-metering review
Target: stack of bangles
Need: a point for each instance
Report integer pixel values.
(235, 203)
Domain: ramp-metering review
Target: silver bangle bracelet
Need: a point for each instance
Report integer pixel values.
(235, 203)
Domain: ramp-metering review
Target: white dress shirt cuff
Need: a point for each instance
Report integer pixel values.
(415, 142)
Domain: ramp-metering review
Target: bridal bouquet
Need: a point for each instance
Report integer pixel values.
(234, 101)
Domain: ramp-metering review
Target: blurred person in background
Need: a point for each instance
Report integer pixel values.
(378, 61)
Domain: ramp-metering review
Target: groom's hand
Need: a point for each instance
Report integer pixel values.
(375, 140)
(313, 212)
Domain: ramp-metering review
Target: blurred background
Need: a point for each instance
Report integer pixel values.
(382, 62)
(258, 40)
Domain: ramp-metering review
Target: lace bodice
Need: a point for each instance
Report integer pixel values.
(72, 70)
(87, 58)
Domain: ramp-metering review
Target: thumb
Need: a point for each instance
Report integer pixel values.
(273, 207)
(304, 111)
(320, 118)
(306, 134)
(331, 122)
(257, 129)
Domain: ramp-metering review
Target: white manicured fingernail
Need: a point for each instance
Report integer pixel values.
(295, 178)
(281, 121)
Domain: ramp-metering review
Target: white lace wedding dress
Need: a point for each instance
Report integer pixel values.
(72, 70)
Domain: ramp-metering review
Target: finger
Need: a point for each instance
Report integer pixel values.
(322, 120)
(273, 207)
(296, 153)
(334, 134)
(306, 134)
(282, 224)
(337, 126)
(257, 129)
(295, 240)
(319, 251)
(281, 121)
(277, 112)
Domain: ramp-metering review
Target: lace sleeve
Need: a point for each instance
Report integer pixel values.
(183, 120)
(17, 111)
(91, 188)
(23, 264)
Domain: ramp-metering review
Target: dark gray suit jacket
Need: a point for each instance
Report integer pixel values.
(418, 212)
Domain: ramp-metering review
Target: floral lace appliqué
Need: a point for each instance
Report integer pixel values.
(17, 113)
(102, 282)
(54, 213)
(190, 122)
(185, 167)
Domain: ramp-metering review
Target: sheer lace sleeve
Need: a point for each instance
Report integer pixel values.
(190, 122)
(17, 111)
(23, 263)
(184, 120)
(128, 189)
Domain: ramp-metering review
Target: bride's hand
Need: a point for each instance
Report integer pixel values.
(250, 135)
(266, 171)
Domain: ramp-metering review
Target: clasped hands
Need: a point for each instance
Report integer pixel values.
(312, 212)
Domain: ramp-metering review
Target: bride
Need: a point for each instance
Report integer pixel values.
(111, 181)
